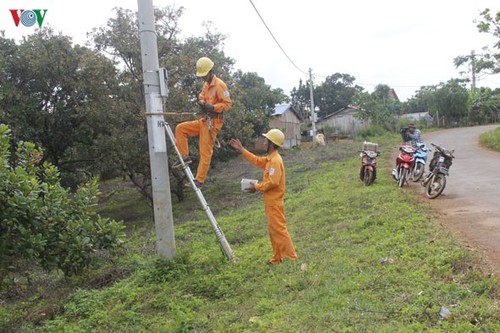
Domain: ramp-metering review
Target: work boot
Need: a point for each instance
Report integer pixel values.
(186, 159)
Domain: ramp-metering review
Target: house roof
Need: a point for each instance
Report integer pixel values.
(418, 116)
(343, 110)
(280, 109)
(392, 95)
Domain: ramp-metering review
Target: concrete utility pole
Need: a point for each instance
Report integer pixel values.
(473, 70)
(155, 89)
(313, 115)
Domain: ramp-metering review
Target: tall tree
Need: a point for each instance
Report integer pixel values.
(379, 107)
(447, 102)
(253, 103)
(55, 95)
(452, 101)
(335, 93)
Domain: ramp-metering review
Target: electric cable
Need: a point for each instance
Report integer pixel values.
(272, 35)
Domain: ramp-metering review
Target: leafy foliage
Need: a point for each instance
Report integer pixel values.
(491, 139)
(58, 96)
(489, 61)
(42, 222)
(447, 102)
(485, 106)
(378, 107)
(335, 93)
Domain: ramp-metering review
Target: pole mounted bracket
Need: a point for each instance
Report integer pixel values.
(163, 75)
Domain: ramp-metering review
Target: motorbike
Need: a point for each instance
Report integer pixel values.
(420, 161)
(404, 164)
(435, 181)
(368, 170)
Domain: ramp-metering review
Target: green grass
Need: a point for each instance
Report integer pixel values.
(491, 139)
(372, 259)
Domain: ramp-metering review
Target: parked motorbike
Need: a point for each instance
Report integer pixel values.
(368, 170)
(404, 164)
(420, 160)
(435, 180)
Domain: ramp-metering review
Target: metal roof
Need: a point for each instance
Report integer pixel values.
(280, 109)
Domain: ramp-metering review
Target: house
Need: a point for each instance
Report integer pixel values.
(344, 121)
(391, 94)
(418, 116)
(287, 119)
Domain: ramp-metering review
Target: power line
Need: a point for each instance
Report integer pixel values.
(315, 75)
(272, 35)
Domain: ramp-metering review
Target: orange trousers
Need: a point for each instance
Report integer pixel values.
(198, 128)
(280, 238)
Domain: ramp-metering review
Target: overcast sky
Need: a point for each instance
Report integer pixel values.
(404, 44)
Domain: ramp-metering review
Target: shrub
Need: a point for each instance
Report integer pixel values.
(43, 223)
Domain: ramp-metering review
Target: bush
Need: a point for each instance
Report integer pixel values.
(371, 131)
(43, 223)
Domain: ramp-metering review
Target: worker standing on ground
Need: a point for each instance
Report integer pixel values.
(213, 101)
(273, 186)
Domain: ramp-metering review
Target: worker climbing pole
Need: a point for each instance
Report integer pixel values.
(155, 90)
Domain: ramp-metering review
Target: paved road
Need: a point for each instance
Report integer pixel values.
(470, 203)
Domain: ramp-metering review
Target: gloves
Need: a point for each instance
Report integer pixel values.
(209, 107)
(205, 107)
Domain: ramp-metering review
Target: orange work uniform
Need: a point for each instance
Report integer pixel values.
(273, 186)
(216, 94)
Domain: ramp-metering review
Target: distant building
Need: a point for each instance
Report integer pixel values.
(344, 120)
(288, 120)
(392, 95)
(418, 116)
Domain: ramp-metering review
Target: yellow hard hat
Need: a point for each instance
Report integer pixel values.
(203, 66)
(275, 136)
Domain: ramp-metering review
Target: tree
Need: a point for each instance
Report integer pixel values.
(301, 99)
(253, 103)
(58, 96)
(335, 93)
(43, 223)
(423, 101)
(378, 107)
(447, 102)
(254, 93)
(485, 107)
(452, 101)
(488, 62)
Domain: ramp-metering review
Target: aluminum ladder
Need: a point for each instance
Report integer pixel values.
(215, 226)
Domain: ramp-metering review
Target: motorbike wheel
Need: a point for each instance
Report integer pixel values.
(403, 177)
(436, 186)
(418, 172)
(369, 177)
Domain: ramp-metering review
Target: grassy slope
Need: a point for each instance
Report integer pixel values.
(371, 260)
(491, 139)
